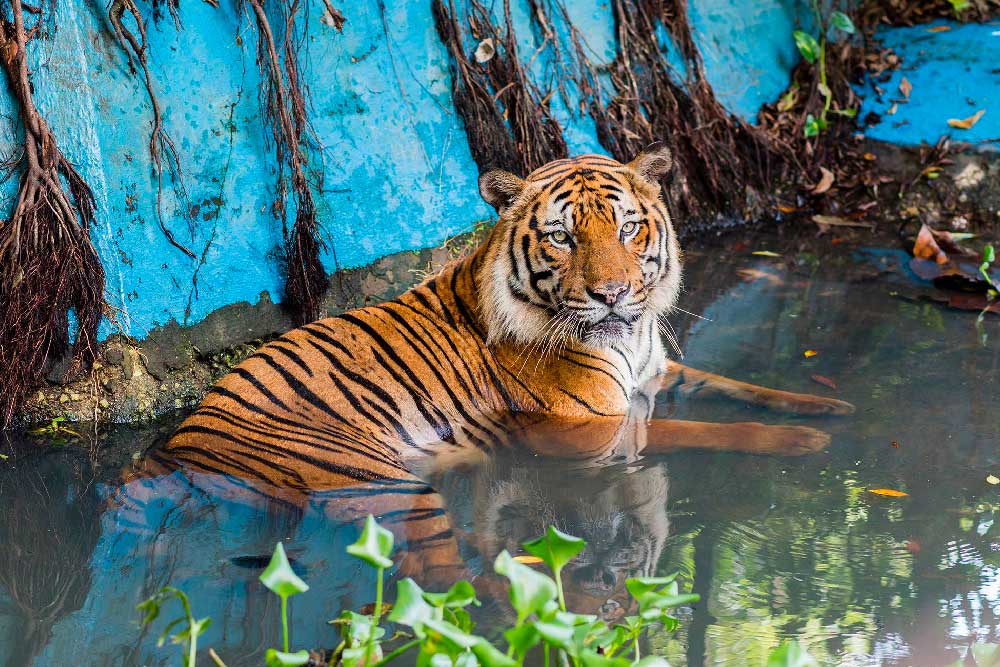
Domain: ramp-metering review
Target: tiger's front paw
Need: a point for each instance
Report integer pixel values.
(784, 440)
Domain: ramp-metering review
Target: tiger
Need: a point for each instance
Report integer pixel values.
(545, 337)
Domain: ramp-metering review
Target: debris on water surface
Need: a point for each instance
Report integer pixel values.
(894, 444)
(809, 353)
(905, 87)
(992, 479)
(765, 253)
(891, 493)
(528, 560)
(823, 380)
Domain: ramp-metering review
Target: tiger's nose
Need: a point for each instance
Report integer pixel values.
(611, 293)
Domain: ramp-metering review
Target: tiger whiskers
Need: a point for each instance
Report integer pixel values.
(667, 330)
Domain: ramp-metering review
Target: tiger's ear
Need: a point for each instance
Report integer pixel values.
(653, 163)
(500, 188)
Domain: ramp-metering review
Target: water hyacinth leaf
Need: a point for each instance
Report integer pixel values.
(467, 659)
(451, 633)
(791, 654)
(637, 586)
(410, 608)
(651, 661)
(195, 629)
(807, 46)
(490, 656)
(275, 658)
(440, 660)
(279, 576)
(374, 545)
(355, 657)
(594, 659)
(556, 548)
(842, 21)
(529, 590)
(522, 638)
(556, 634)
(461, 594)
(356, 628)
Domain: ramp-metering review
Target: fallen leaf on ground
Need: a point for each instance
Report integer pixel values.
(810, 353)
(824, 222)
(926, 246)
(825, 181)
(528, 560)
(892, 493)
(966, 123)
(765, 253)
(823, 380)
(905, 87)
(992, 479)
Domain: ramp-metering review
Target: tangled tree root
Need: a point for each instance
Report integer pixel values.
(49, 264)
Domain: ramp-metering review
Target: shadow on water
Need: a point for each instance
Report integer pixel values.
(776, 546)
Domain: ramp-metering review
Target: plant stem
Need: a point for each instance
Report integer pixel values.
(559, 589)
(545, 648)
(635, 646)
(215, 658)
(375, 616)
(284, 623)
(398, 652)
(192, 649)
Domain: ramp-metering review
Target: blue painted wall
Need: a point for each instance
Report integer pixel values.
(954, 74)
(396, 166)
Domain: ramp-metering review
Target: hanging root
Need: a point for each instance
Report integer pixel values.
(506, 116)
(161, 146)
(49, 264)
(285, 109)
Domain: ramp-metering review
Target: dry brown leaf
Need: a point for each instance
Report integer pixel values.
(939, 28)
(485, 51)
(891, 111)
(825, 181)
(926, 246)
(905, 87)
(836, 221)
(823, 380)
(966, 123)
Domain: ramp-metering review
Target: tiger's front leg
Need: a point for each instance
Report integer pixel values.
(691, 381)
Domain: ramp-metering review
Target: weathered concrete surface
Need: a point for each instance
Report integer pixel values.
(954, 71)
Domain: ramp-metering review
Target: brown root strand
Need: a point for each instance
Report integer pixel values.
(49, 264)
(285, 109)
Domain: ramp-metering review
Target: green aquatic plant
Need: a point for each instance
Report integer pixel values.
(814, 53)
(440, 627)
(189, 628)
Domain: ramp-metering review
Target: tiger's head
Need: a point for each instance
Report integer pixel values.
(584, 249)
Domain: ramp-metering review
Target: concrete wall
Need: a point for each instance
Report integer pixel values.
(397, 171)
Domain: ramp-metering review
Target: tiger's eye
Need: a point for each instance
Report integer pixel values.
(559, 236)
(629, 228)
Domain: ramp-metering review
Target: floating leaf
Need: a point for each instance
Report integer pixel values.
(891, 493)
(279, 577)
(992, 479)
(374, 545)
(966, 123)
(809, 353)
(556, 548)
(823, 380)
(939, 28)
(807, 46)
(842, 21)
(275, 658)
(528, 560)
(765, 253)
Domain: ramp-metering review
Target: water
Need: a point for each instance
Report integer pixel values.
(776, 546)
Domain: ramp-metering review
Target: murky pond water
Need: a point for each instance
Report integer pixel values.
(776, 546)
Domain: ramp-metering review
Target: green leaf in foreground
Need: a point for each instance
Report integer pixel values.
(529, 590)
(791, 654)
(556, 548)
(279, 576)
(807, 46)
(374, 545)
(843, 22)
(275, 658)
(410, 607)
(461, 594)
